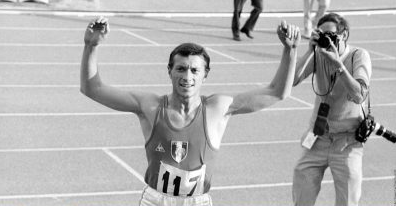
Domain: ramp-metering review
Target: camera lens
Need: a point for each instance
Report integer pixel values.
(323, 41)
(325, 38)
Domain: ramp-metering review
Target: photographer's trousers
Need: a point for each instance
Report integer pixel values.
(343, 155)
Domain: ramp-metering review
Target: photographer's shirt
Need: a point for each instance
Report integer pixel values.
(345, 114)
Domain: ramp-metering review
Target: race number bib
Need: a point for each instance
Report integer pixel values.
(172, 180)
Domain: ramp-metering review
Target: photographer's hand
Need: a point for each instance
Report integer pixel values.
(332, 55)
(96, 31)
(313, 41)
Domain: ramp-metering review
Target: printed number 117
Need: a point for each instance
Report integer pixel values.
(176, 183)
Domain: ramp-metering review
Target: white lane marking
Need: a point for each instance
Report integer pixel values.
(222, 54)
(141, 37)
(363, 12)
(136, 63)
(133, 192)
(301, 101)
(287, 184)
(168, 85)
(45, 114)
(119, 29)
(152, 44)
(135, 147)
(71, 149)
(155, 44)
(35, 114)
(381, 54)
(163, 63)
(123, 85)
(63, 195)
(124, 165)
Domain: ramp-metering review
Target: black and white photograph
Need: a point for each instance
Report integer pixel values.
(197, 103)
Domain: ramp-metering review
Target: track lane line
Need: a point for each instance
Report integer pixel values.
(382, 58)
(223, 54)
(119, 29)
(155, 44)
(140, 37)
(133, 192)
(64, 195)
(124, 165)
(30, 86)
(361, 12)
(288, 184)
(380, 54)
(138, 147)
(45, 114)
(301, 101)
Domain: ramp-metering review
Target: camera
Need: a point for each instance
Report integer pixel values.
(324, 42)
(98, 25)
(368, 125)
(321, 125)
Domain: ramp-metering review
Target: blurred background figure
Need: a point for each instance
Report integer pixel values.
(21, 1)
(35, 1)
(249, 24)
(311, 18)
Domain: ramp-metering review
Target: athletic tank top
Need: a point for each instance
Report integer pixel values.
(180, 160)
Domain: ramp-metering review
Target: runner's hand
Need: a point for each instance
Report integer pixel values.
(96, 31)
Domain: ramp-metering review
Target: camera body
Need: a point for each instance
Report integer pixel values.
(324, 42)
(368, 125)
(321, 124)
(98, 25)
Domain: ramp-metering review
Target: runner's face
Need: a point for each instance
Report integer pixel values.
(187, 75)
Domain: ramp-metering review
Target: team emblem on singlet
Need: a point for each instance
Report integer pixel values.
(179, 150)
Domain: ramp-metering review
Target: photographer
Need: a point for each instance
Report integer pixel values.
(340, 80)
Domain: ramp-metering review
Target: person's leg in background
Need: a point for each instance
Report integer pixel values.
(307, 18)
(323, 5)
(254, 15)
(238, 6)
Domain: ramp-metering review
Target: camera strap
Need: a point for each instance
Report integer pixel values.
(368, 104)
(368, 93)
(332, 79)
